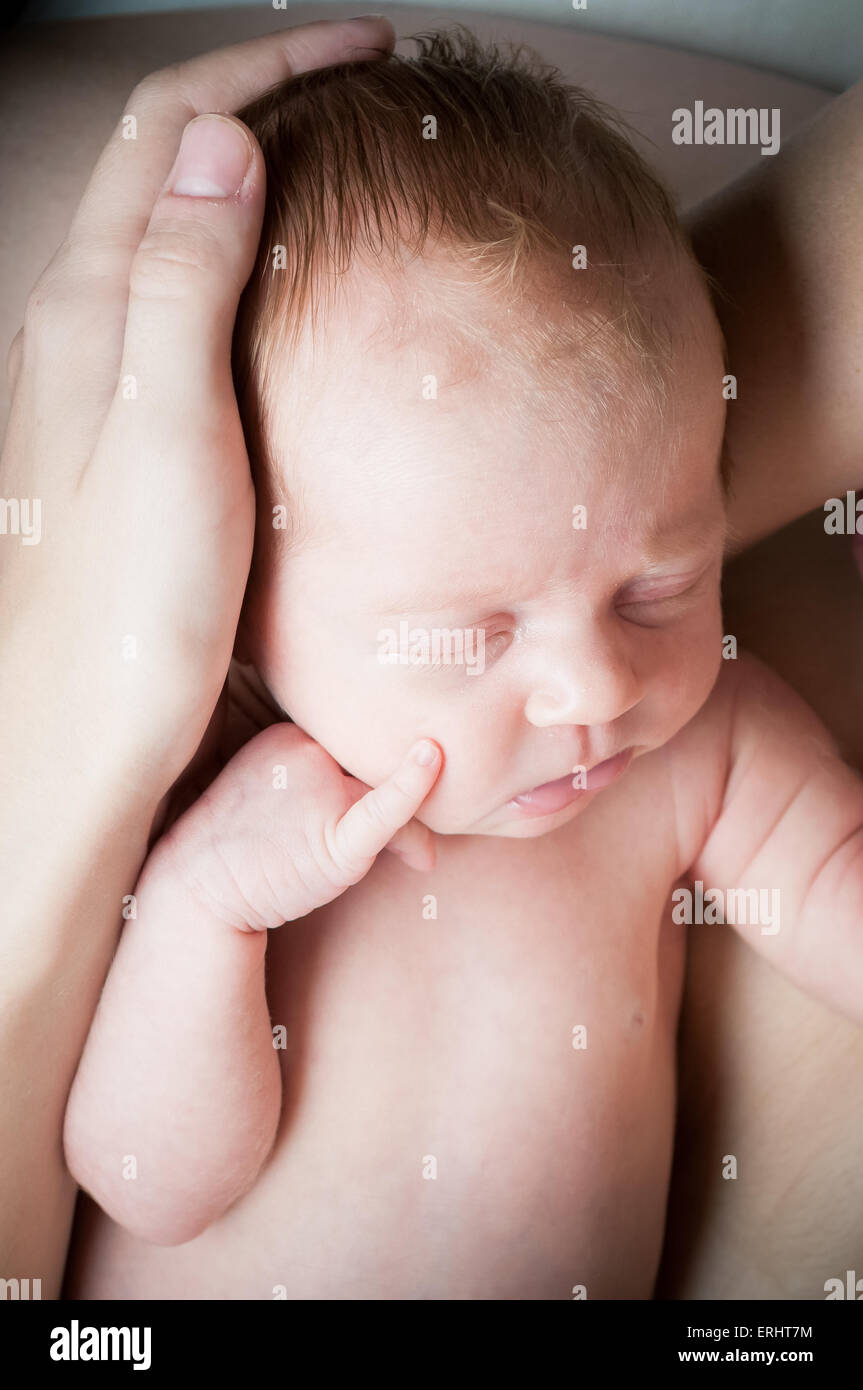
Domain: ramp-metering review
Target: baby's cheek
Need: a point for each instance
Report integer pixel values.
(682, 679)
(699, 662)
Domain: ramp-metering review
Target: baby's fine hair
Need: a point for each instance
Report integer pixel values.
(483, 150)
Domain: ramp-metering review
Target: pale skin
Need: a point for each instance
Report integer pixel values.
(150, 280)
(105, 815)
(582, 663)
(317, 832)
(194, 1089)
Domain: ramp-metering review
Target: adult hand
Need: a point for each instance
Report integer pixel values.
(118, 609)
(124, 436)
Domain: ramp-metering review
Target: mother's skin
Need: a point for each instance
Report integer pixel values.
(148, 531)
(766, 1079)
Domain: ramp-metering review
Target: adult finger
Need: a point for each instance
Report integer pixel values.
(119, 197)
(185, 282)
(81, 296)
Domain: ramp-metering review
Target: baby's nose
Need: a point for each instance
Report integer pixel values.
(590, 688)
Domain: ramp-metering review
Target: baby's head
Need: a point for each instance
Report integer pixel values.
(489, 464)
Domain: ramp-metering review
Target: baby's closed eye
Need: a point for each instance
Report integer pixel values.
(664, 595)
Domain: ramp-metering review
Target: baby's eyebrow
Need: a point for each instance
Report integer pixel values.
(667, 545)
(668, 540)
(429, 600)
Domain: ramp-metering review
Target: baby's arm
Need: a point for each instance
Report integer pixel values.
(791, 820)
(176, 1101)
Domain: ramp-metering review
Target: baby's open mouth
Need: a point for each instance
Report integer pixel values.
(549, 797)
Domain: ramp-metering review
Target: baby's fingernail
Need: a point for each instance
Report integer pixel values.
(425, 752)
(213, 158)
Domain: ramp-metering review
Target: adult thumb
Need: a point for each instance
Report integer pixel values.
(190, 268)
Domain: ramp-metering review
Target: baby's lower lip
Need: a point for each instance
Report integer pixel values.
(554, 796)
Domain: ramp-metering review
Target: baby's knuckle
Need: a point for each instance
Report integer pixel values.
(270, 744)
(284, 737)
(310, 761)
(314, 758)
(375, 814)
(306, 764)
(338, 864)
(400, 787)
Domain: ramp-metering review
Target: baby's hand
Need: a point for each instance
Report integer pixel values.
(282, 830)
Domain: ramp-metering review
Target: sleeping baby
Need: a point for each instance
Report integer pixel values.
(481, 382)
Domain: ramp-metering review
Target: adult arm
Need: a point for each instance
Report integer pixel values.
(124, 427)
(783, 244)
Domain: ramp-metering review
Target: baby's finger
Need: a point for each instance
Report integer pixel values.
(414, 844)
(376, 818)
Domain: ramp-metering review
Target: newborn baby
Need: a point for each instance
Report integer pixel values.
(482, 386)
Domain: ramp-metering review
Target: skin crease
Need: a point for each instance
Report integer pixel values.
(596, 640)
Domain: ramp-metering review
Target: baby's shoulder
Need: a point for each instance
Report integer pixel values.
(750, 703)
(745, 688)
(701, 758)
(749, 737)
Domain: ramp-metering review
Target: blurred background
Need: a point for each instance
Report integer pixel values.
(818, 41)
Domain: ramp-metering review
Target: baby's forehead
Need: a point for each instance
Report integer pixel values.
(419, 375)
(390, 342)
(439, 308)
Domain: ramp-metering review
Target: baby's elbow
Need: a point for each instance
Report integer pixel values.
(147, 1194)
(159, 1216)
(180, 1216)
(174, 1219)
(147, 1215)
(164, 1227)
(155, 1218)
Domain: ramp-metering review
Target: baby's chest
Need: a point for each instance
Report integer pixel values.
(467, 1056)
(478, 1048)
(534, 937)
